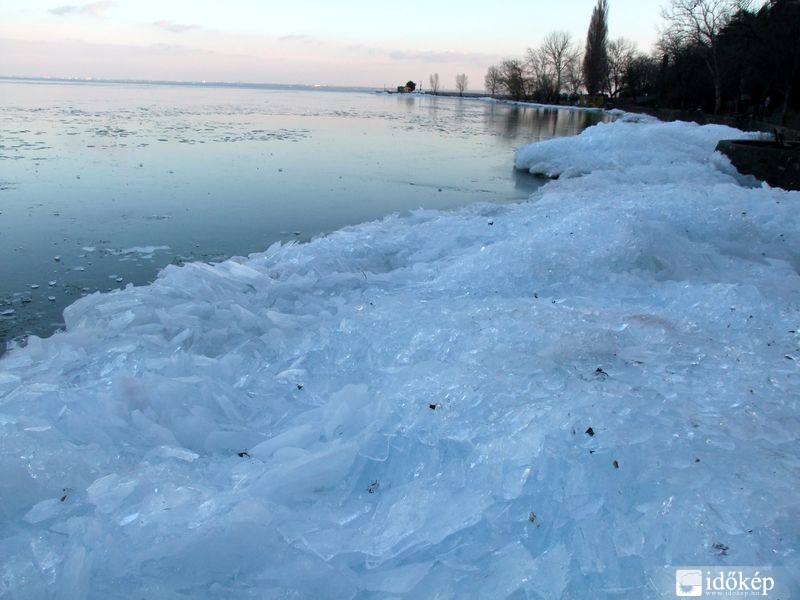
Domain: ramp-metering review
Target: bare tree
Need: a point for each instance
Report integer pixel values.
(620, 55)
(574, 73)
(492, 80)
(700, 22)
(433, 80)
(556, 51)
(512, 78)
(540, 81)
(595, 59)
(461, 83)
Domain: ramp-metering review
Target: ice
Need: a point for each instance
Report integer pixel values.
(108, 492)
(625, 150)
(76, 573)
(399, 580)
(141, 251)
(509, 568)
(46, 509)
(403, 408)
(295, 437)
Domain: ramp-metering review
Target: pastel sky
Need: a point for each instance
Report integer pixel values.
(353, 42)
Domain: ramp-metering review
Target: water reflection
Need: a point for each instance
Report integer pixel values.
(103, 185)
(539, 123)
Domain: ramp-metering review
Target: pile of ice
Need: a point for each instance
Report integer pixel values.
(550, 399)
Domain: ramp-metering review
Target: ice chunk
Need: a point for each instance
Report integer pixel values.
(108, 492)
(75, 573)
(299, 437)
(19, 489)
(143, 250)
(46, 509)
(296, 472)
(178, 453)
(399, 580)
(512, 569)
(8, 381)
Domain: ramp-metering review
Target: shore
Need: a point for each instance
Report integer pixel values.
(556, 397)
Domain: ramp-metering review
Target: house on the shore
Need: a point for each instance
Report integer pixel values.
(409, 87)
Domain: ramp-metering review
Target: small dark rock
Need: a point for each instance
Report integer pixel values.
(616, 464)
(590, 432)
(244, 454)
(532, 517)
(373, 487)
(721, 549)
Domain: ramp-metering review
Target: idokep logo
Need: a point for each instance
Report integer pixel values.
(710, 582)
(689, 582)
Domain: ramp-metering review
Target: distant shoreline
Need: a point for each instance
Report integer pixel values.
(202, 84)
(241, 85)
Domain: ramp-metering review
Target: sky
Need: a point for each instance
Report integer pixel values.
(368, 43)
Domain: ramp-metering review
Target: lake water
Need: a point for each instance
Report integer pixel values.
(102, 185)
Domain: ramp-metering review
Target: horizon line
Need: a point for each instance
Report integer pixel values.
(186, 82)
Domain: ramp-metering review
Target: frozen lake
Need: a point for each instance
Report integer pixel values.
(586, 395)
(102, 185)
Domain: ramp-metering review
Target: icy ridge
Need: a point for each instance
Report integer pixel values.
(550, 399)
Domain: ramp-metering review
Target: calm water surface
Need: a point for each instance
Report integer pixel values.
(104, 184)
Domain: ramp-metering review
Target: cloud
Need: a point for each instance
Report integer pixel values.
(175, 27)
(437, 56)
(424, 56)
(95, 9)
(362, 49)
(294, 37)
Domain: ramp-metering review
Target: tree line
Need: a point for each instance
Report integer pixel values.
(462, 81)
(713, 55)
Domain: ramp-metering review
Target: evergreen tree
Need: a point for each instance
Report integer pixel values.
(595, 60)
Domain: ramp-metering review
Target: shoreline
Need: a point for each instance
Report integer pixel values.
(576, 374)
(164, 160)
